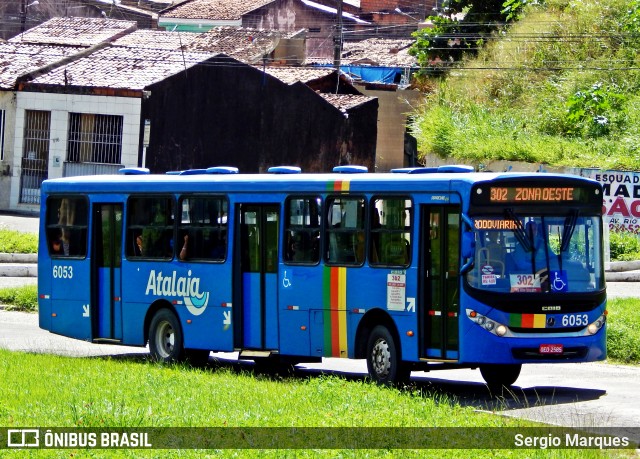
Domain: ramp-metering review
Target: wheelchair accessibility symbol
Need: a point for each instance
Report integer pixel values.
(559, 282)
(286, 283)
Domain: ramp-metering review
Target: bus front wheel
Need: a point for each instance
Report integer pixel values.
(383, 358)
(165, 337)
(500, 375)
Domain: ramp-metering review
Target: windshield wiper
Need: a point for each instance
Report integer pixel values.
(518, 230)
(567, 232)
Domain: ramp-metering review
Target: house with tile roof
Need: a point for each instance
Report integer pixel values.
(24, 154)
(147, 99)
(286, 16)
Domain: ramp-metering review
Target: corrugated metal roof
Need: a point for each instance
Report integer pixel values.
(17, 59)
(75, 31)
(213, 9)
(121, 68)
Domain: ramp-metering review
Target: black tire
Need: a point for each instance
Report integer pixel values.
(383, 358)
(500, 375)
(165, 338)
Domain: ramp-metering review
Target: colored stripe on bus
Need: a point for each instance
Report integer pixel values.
(339, 185)
(528, 320)
(335, 315)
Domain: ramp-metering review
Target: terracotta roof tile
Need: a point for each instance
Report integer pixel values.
(378, 51)
(156, 39)
(121, 68)
(75, 31)
(213, 9)
(244, 44)
(345, 102)
(17, 59)
(291, 75)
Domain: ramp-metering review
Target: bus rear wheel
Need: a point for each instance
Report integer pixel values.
(500, 375)
(165, 337)
(383, 358)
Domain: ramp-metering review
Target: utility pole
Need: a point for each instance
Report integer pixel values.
(337, 38)
(23, 16)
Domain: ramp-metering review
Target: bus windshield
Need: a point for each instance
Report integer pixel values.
(537, 253)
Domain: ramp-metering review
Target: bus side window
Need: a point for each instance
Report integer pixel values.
(345, 231)
(202, 229)
(150, 227)
(302, 230)
(390, 229)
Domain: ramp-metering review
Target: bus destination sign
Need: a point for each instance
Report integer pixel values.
(524, 194)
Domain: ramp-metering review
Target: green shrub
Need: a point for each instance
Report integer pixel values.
(23, 298)
(623, 330)
(624, 246)
(17, 242)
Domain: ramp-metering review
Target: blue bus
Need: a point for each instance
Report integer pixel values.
(416, 269)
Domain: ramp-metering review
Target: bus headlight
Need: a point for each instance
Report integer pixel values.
(594, 327)
(490, 325)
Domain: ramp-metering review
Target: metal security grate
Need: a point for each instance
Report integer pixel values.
(35, 156)
(94, 138)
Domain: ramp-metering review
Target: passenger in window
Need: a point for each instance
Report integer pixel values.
(60, 246)
(139, 246)
(185, 248)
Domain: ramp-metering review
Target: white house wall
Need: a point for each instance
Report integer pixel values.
(60, 105)
(8, 105)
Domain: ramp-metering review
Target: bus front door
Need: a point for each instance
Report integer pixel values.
(106, 275)
(440, 271)
(257, 328)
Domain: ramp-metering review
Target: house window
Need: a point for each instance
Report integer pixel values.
(35, 154)
(94, 138)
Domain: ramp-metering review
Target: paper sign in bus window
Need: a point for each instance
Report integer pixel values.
(396, 291)
(525, 283)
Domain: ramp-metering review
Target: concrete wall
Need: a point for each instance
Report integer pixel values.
(393, 108)
(8, 105)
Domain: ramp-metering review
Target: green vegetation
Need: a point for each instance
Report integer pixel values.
(81, 393)
(17, 242)
(24, 298)
(559, 87)
(623, 330)
(624, 246)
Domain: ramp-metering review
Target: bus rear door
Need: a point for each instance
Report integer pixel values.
(257, 326)
(106, 272)
(439, 294)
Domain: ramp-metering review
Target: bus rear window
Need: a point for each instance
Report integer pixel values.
(67, 226)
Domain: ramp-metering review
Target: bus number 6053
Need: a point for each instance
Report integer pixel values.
(575, 320)
(62, 272)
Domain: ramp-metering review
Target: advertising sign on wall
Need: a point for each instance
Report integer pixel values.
(621, 198)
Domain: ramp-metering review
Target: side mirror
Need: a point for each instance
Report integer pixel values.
(468, 247)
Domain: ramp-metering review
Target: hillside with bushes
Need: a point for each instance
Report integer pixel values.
(558, 87)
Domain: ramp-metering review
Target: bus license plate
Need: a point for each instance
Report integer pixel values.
(551, 349)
